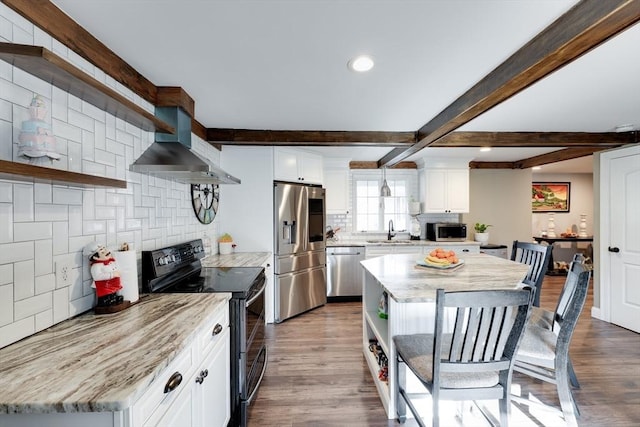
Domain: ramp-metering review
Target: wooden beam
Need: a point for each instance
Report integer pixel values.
(59, 25)
(535, 139)
(543, 159)
(557, 156)
(374, 165)
(585, 26)
(175, 96)
(315, 137)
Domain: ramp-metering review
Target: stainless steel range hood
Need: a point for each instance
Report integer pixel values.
(170, 156)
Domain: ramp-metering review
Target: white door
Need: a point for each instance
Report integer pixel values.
(623, 247)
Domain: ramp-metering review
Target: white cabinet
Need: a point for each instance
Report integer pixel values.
(446, 191)
(202, 396)
(193, 390)
(297, 166)
(460, 250)
(336, 184)
(392, 248)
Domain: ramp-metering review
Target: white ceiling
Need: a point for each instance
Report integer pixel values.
(282, 65)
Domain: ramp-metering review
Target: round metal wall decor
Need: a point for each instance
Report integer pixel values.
(204, 199)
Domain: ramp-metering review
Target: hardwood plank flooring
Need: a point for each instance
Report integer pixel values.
(317, 375)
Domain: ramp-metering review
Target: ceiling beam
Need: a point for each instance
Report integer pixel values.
(374, 165)
(535, 139)
(543, 159)
(585, 26)
(310, 137)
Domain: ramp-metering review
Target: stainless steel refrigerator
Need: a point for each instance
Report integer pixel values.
(300, 260)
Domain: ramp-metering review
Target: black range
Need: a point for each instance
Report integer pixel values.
(177, 269)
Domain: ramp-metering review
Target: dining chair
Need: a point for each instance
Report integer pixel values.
(544, 351)
(472, 361)
(549, 320)
(537, 257)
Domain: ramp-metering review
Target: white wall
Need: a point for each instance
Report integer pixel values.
(501, 198)
(41, 224)
(580, 202)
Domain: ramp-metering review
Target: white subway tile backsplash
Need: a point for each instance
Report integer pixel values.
(60, 101)
(23, 231)
(30, 306)
(49, 224)
(24, 280)
(74, 156)
(47, 212)
(43, 320)
(76, 216)
(60, 305)
(33, 84)
(16, 331)
(64, 130)
(6, 192)
(80, 305)
(6, 223)
(43, 257)
(6, 110)
(42, 193)
(41, 38)
(6, 29)
(6, 274)
(67, 196)
(23, 205)
(6, 304)
(46, 283)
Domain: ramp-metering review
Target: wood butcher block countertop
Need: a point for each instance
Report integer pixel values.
(237, 259)
(95, 363)
(404, 281)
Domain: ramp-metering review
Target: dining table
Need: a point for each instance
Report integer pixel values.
(398, 298)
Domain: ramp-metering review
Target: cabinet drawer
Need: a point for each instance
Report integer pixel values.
(155, 398)
(214, 330)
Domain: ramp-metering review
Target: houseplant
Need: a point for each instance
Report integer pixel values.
(481, 233)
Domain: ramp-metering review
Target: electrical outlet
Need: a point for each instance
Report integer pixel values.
(63, 274)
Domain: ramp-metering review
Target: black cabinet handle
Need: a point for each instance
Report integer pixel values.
(173, 383)
(465, 250)
(216, 330)
(614, 249)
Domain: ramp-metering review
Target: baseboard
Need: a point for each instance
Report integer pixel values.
(595, 312)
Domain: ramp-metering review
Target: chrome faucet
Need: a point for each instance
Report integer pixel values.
(390, 234)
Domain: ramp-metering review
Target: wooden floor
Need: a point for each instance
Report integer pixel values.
(317, 375)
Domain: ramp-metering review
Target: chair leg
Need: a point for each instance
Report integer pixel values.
(401, 380)
(435, 404)
(572, 375)
(505, 406)
(567, 402)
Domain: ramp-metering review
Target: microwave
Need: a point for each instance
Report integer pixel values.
(446, 231)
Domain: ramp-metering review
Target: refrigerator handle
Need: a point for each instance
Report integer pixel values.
(289, 232)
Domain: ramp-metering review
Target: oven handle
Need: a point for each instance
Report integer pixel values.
(256, 296)
(264, 369)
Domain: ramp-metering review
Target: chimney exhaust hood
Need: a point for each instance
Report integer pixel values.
(170, 155)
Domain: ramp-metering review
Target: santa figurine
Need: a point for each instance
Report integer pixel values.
(105, 274)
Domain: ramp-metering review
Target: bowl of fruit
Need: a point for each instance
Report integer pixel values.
(442, 259)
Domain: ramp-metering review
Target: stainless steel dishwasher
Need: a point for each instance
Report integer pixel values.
(344, 272)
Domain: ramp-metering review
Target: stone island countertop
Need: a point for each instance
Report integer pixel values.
(95, 363)
(393, 242)
(237, 259)
(405, 281)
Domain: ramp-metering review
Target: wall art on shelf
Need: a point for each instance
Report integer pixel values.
(36, 141)
(550, 196)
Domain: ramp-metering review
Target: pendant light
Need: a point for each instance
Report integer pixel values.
(385, 191)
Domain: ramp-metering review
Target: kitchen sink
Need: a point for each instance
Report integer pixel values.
(392, 242)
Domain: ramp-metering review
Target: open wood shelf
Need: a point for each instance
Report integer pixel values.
(31, 173)
(49, 67)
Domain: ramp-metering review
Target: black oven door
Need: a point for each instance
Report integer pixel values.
(255, 357)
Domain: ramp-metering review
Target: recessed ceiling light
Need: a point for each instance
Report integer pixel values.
(485, 149)
(536, 168)
(361, 64)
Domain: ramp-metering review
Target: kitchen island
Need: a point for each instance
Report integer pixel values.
(410, 298)
(114, 369)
